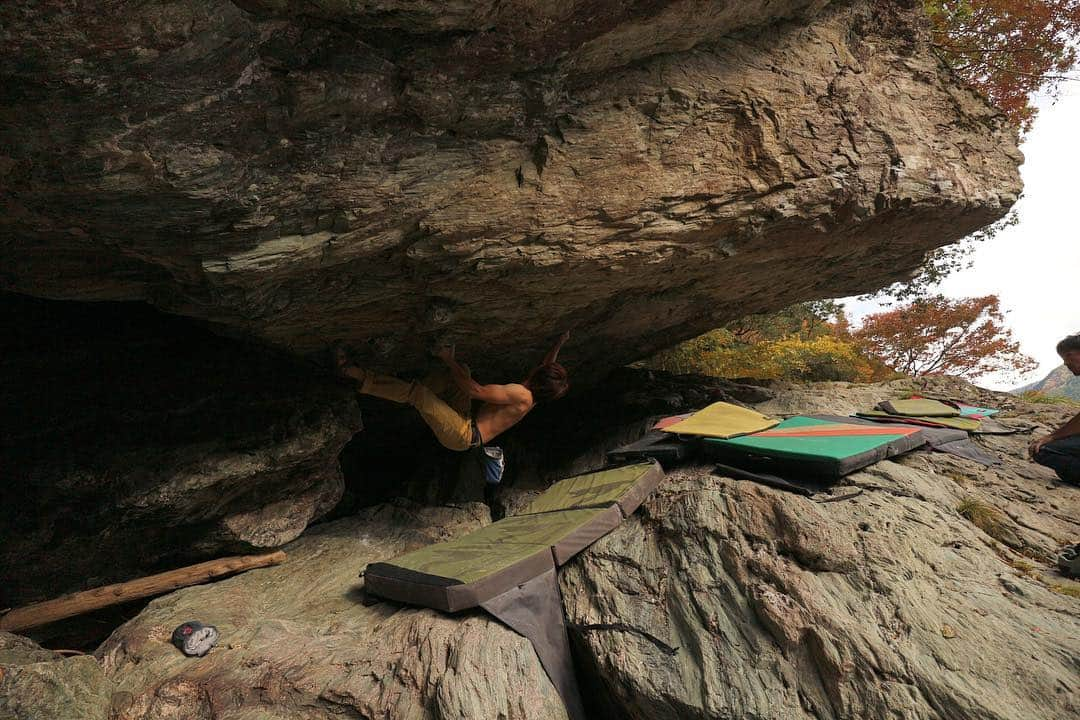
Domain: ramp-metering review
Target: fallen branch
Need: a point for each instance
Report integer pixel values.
(82, 602)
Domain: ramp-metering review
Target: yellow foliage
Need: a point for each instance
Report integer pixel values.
(826, 357)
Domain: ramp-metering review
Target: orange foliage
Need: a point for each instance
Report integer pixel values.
(938, 336)
(1008, 49)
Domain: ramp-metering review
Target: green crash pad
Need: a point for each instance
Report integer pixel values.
(626, 487)
(562, 521)
(814, 447)
(970, 424)
(918, 407)
(721, 420)
(966, 410)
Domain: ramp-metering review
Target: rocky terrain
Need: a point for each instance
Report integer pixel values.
(199, 195)
(719, 598)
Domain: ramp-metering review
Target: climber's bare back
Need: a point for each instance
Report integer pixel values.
(495, 418)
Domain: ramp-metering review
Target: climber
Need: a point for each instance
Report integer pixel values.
(1060, 450)
(444, 398)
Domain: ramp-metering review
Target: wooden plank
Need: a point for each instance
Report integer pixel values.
(78, 603)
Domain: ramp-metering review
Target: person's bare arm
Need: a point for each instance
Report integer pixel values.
(1067, 430)
(553, 353)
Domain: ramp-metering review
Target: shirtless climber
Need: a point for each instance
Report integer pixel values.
(1060, 450)
(444, 398)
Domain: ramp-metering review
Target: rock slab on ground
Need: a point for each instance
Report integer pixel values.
(722, 598)
(299, 642)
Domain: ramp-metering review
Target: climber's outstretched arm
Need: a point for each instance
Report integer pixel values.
(553, 353)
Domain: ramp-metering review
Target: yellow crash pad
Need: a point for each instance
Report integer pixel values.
(722, 420)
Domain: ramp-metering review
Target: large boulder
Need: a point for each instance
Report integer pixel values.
(300, 640)
(489, 173)
(133, 441)
(722, 598)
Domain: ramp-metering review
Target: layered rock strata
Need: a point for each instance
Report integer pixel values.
(488, 173)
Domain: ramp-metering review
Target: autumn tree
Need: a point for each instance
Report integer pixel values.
(806, 341)
(1008, 49)
(938, 336)
(806, 320)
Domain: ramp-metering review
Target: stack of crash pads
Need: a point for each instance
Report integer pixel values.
(816, 448)
(678, 437)
(947, 424)
(924, 411)
(509, 567)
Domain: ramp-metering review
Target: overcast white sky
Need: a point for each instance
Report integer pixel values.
(1034, 266)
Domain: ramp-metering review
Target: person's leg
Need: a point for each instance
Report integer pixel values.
(451, 428)
(1063, 457)
(441, 382)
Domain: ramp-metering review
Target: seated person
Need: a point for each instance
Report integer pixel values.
(1060, 450)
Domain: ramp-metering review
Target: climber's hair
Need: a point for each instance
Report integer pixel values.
(1069, 344)
(548, 382)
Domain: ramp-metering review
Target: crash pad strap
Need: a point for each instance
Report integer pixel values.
(534, 610)
(774, 481)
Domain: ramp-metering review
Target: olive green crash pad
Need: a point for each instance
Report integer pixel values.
(722, 420)
(919, 407)
(562, 521)
(509, 568)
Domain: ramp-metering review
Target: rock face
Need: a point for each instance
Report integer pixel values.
(133, 441)
(488, 173)
(297, 640)
(722, 598)
(38, 684)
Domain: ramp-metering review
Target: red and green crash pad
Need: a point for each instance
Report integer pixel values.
(720, 420)
(814, 448)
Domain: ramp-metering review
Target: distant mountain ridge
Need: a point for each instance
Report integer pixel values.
(1059, 382)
